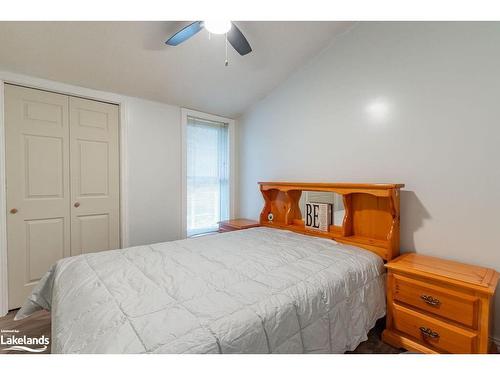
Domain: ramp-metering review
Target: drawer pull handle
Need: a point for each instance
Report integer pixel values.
(430, 300)
(427, 332)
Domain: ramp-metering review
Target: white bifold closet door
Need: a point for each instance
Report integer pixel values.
(62, 179)
(95, 178)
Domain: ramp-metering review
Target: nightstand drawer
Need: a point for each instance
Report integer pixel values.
(432, 332)
(449, 304)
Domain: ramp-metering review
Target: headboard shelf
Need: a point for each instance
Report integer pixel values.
(382, 190)
(371, 220)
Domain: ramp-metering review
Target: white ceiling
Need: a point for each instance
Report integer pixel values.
(131, 58)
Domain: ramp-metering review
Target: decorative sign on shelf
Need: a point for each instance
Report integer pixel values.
(319, 216)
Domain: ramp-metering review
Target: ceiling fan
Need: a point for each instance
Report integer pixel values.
(233, 35)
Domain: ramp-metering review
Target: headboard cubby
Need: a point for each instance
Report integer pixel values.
(371, 220)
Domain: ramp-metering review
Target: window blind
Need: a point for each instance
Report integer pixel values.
(207, 175)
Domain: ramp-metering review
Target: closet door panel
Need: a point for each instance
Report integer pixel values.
(37, 180)
(94, 176)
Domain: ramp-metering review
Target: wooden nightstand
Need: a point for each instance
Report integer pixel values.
(237, 224)
(438, 306)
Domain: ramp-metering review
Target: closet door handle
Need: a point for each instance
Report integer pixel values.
(13, 211)
(77, 204)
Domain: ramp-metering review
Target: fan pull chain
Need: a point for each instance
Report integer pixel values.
(226, 63)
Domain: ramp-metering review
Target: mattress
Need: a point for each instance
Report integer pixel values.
(259, 290)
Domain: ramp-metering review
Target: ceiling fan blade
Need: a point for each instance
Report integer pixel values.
(186, 33)
(238, 40)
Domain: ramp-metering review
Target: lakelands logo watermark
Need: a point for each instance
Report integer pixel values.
(14, 341)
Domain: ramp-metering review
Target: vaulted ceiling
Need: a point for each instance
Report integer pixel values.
(131, 58)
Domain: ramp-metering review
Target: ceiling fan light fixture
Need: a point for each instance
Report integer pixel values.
(217, 27)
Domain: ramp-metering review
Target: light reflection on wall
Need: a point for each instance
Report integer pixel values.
(379, 111)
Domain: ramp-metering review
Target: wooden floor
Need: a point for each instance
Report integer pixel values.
(39, 324)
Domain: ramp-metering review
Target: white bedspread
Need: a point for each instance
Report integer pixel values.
(259, 290)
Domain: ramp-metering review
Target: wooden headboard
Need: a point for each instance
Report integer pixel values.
(371, 219)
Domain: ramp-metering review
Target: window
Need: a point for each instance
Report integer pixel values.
(207, 173)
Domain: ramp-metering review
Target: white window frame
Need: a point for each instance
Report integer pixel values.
(185, 113)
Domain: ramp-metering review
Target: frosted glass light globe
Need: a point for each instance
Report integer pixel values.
(217, 27)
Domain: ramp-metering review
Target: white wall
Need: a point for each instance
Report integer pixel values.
(154, 172)
(416, 103)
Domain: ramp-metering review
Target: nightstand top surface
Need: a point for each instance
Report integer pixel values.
(465, 275)
(240, 223)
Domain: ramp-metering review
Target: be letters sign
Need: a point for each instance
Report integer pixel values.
(319, 216)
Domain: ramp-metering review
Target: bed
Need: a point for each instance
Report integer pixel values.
(271, 289)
